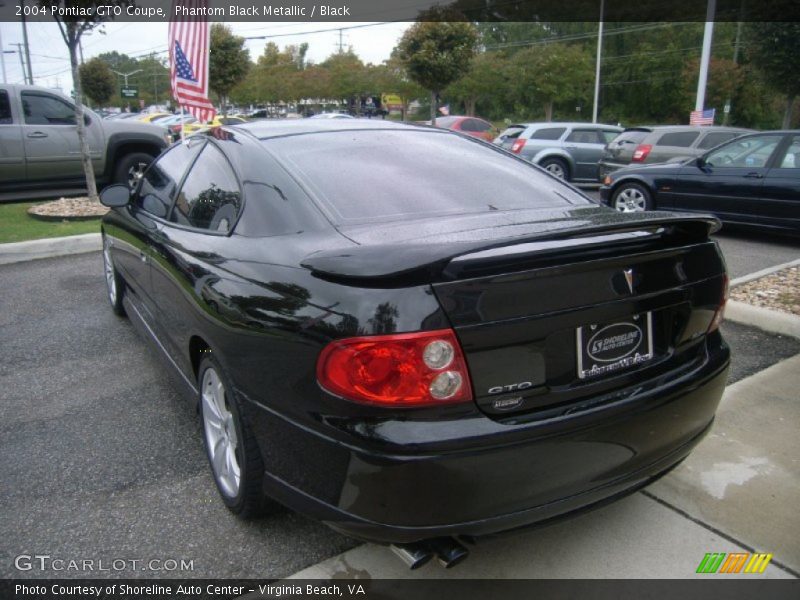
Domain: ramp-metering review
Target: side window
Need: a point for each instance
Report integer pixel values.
(480, 125)
(41, 109)
(715, 138)
(681, 139)
(5, 108)
(210, 198)
(584, 136)
(791, 158)
(749, 152)
(468, 125)
(161, 180)
(551, 133)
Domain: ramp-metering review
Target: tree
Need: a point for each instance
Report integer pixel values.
(72, 29)
(229, 62)
(551, 74)
(485, 79)
(774, 48)
(98, 81)
(437, 52)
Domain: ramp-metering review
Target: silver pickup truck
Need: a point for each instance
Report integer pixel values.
(39, 144)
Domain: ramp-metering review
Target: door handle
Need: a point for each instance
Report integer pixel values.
(37, 134)
(754, 175)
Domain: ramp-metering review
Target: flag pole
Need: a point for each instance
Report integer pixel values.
(183, 135)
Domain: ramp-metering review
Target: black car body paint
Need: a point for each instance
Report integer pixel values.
(266, 296)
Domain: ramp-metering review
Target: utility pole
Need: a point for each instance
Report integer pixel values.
(21, 62)
(25, 41)
(705, 56)
(727, 117)
(596, 106)
(341, 44)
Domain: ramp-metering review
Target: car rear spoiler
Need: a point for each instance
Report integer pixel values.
(389, 265)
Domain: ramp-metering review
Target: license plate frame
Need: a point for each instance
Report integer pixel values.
(610, 347)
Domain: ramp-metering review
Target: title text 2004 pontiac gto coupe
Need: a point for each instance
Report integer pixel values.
(412, 335)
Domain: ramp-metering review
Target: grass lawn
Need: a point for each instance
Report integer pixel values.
(16, 225)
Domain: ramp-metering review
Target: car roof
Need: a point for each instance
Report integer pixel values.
(565, 124)
(264, 130)
(649, 128)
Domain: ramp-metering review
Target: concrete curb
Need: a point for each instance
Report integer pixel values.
(49, 247)
(763, 318)
(763, 273)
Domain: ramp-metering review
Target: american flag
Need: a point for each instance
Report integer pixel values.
(702, 117)
(188, 58)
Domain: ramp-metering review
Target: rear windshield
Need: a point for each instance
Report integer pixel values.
(512, 132)
(446, 122)
(380, 175)
(634, 136)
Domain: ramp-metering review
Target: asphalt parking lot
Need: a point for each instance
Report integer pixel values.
(102, 460)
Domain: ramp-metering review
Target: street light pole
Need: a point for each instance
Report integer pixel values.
(25, 40)
(705, 56)
(126, 75)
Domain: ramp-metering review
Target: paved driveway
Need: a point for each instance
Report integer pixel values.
(101, 459)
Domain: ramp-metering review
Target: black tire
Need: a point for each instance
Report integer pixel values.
(556, 167)
(130, 168)
(248, 500)
(115, 285)
(631, 197)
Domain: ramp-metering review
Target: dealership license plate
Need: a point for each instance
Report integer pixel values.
(607, 347)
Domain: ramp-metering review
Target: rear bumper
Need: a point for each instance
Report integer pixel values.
(605, 168)
(499, 477)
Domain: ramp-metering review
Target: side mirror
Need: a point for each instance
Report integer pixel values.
(115, 196)
(700, 162)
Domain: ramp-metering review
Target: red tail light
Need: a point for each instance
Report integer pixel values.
(400, 370)
(641, 152)
(717, 320)
(517, 146)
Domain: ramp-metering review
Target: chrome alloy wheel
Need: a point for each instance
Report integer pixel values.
(111, 279)
(630, 200)
(220, 430)
(556, 169)
(135, 173)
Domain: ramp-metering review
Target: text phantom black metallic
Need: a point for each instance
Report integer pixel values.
(412, 335)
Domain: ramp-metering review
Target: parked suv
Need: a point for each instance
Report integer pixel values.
(662, 143)
(569, 151)
(39, 146)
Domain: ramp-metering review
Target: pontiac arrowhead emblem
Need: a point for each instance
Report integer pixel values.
(629, 278)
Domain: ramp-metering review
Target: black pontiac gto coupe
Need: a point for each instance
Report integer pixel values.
(415, 336)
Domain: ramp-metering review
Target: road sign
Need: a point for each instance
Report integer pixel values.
(129, 92)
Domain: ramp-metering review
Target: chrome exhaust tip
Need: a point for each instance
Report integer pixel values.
(448, 551)
(413, 555)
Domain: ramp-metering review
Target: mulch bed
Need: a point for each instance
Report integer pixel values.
(779, 291)
(68, 209)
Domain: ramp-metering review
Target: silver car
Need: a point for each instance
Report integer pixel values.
(569, 151)
(662, 143)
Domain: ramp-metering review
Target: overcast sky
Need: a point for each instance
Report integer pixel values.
(50, 60)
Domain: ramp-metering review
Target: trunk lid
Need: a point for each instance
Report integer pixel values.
(527, 294)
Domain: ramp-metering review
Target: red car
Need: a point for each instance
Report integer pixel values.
(468, 125)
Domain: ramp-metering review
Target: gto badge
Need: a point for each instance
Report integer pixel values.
(514, 387)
